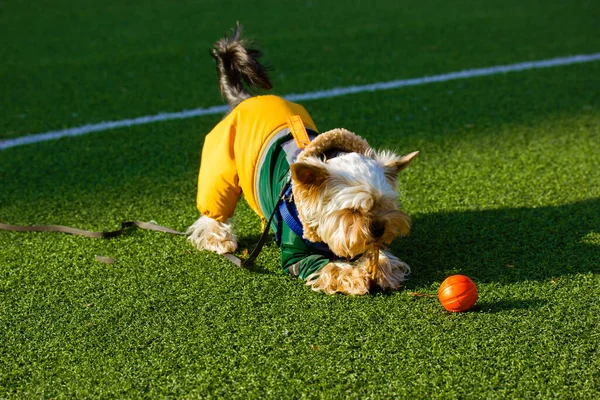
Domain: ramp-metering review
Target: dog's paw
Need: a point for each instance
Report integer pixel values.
(209, 234)
(340, 277)
(391, 272)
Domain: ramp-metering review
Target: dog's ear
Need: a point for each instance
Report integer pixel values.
(402, 162)
(309, 174)
(394, 165)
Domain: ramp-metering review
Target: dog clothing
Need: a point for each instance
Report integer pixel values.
(250, 152)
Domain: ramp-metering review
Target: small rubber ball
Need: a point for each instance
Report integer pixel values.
(457, 293)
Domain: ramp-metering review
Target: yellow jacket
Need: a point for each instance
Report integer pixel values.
(232, 150)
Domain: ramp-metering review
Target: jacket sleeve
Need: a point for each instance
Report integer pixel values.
(297, 258)
(218, 181)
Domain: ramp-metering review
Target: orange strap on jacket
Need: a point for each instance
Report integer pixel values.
(298, 131)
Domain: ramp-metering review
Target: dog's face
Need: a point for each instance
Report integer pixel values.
(349, 202)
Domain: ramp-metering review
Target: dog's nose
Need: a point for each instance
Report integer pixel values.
(377, 229)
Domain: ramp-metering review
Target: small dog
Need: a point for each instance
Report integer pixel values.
(340, 208)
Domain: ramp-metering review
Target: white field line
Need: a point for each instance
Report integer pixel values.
(321, 94)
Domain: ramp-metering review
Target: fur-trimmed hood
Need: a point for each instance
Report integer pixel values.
(339, 139)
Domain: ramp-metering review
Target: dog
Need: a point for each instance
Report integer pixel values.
(334, 198)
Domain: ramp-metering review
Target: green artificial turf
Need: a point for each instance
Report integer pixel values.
(506, 190)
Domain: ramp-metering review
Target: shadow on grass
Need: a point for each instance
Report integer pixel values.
(506, 245)
(492, 307)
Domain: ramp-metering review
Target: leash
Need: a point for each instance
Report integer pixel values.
(92, 234)
(126, 226)
(152, 227)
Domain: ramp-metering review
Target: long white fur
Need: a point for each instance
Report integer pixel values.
(355, 278)
(209, 234)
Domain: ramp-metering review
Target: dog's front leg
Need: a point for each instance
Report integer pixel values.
(341, 277)
(390, 273)
(209, 234)
(356, 278)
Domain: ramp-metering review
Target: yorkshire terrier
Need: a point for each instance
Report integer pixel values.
(340, 202)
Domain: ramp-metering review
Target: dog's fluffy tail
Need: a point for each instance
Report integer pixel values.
(237, 63)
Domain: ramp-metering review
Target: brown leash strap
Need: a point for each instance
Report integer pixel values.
(124, 227)
(80, 232)
(133, 224)
(148, 226)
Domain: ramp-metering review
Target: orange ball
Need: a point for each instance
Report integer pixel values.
(457, 293)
